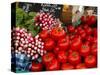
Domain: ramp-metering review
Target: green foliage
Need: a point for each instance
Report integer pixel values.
(34, 30)
(25, 20)
(75, 24)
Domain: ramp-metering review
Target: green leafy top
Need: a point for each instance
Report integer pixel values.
(25, 20)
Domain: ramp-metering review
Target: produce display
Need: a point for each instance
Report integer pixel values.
(41, 42)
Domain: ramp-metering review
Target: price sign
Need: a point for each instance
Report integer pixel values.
(54, 9)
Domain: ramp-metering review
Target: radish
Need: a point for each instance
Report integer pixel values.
(30, 45)
(25, 43)
(29, 49)
(19, 48)
(17, 37)
(16, 44)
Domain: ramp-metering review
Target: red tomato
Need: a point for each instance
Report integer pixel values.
(57, 33)
(88, 19)
(80, 66)
(92, 20)
(67, 66)
(76, 31)
(62, 56)
(53, 65)
(48, 58)
(88, 31)
(63, 44)
(36, 67)
(94, 40)
(84, 50)
(71, 28)
(82, 33)
(90, 61)
(76, 44)
(94, 49)
(49, 44)
(87, 43)
(94, 32)
(70, 51)
(56, 50)
(71, 36)
(89, 38)
(83, 19)
(79, 28)
(85, 26)
(74, 58)
(44, 34)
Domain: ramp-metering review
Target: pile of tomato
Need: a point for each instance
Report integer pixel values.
(69, 47)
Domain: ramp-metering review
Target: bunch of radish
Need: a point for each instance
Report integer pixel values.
(23, 42)
(46, 21)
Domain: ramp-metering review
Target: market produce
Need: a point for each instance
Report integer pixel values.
(57, 33)
(48, 58)
(62, 56)
(24, 43)
(67, 66)
(36, 67)
(46, 44)
(84, 50)
(49, 44)
(53, 65)
(90, 61)
(81, 66)
(46, 21)
(74, 58)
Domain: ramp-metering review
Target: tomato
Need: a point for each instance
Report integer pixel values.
(70, 51)
(92, 20)
(49, 44)
(87, 43)
(81, 66)
(89, 38)
(53, 65)
(74, 58)
(88, 31)
(82, 33)
(56, 50)
(76, 31)
(88, 17)
(48, 58)
(79, 28)
(71, 36)
(67, 66)
(84, 50)
(63, 43)
(85, 26)
(90, 61)
(44, 34)
(94, 32)
(75, 44)
(62, 56)
(94, 40)
(57, 33)
(94, 49)
(71, 28)
(36, 67)
(83, 19)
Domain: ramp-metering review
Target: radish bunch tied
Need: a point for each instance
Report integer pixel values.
(46, 21)
(24, 43)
